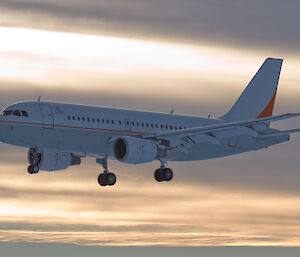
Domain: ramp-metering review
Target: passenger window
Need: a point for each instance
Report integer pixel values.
(120, 122)
(112, 121)
(98, 120)
(78, 118)
(156, 125)
(103, 120)
(180, 127)
(83, 119)
(107, 121)
(93, 120)
(142, 124)
(88, 119)
(171, 127)
(69, 117)
(132, 123)
(152, 126)
(138, 124)
(17, 113)
(147, 125)
(161, 126)
(166, 126)
(74, 118)
(24, 113)
(176, 127)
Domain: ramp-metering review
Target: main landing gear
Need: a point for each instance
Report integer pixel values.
(163, 173)
(106, 178)
(34, 158)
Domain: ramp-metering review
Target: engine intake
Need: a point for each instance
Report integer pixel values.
(135, 150)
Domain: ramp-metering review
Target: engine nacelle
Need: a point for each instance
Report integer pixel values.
(135, 150)
(52, 161)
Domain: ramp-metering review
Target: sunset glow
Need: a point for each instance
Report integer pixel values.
(234, 201)
(36, 55)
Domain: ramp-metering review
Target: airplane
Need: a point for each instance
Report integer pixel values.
(58, 135)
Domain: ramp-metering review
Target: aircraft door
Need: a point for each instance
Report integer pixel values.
(47, 114)
(127, 124)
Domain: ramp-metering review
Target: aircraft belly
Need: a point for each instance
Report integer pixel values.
(209, 151)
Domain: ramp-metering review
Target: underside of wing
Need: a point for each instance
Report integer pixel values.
(215, 133)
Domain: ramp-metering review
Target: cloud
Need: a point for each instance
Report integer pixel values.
(255, 24)
(250, 199)
(200, 207)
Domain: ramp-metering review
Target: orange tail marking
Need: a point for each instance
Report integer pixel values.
(268, 111)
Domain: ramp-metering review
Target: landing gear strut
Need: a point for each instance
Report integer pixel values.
(163, 173)
(34, 158)
(106, 178)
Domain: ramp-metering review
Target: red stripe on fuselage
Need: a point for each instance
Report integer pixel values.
(75, 127)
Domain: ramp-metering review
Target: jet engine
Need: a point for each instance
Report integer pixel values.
(52, 160)
(135, 150)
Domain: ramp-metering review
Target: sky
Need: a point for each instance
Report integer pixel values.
(192, 56)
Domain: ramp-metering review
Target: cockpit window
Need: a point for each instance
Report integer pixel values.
(24, 113)
(16, 113)
(6, 112)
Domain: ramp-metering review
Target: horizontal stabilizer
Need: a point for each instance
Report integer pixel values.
(279, 133)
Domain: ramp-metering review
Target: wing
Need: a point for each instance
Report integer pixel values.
(211, 133)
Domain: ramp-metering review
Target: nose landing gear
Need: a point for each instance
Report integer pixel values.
(34, 158)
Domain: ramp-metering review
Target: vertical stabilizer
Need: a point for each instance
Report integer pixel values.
(258, 98)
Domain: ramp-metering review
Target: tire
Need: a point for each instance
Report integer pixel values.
(111, 179)
(102, 179)
(36, 169)
(33, 169)
(30, 169)
(158, 175)
(167, 174)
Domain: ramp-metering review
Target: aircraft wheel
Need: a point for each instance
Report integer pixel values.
(158, 175)
(167, 174)
(33, 169)
(111, 179)
(102, 179)
(107, 179)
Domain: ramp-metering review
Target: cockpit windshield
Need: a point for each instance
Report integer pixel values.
(6, 112)
(15, 113)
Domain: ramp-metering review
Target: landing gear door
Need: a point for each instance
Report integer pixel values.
(127, 124)
(47, 115)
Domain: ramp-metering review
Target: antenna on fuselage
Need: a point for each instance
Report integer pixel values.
(39, 99)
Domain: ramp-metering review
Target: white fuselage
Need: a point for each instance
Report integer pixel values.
(88, 130)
